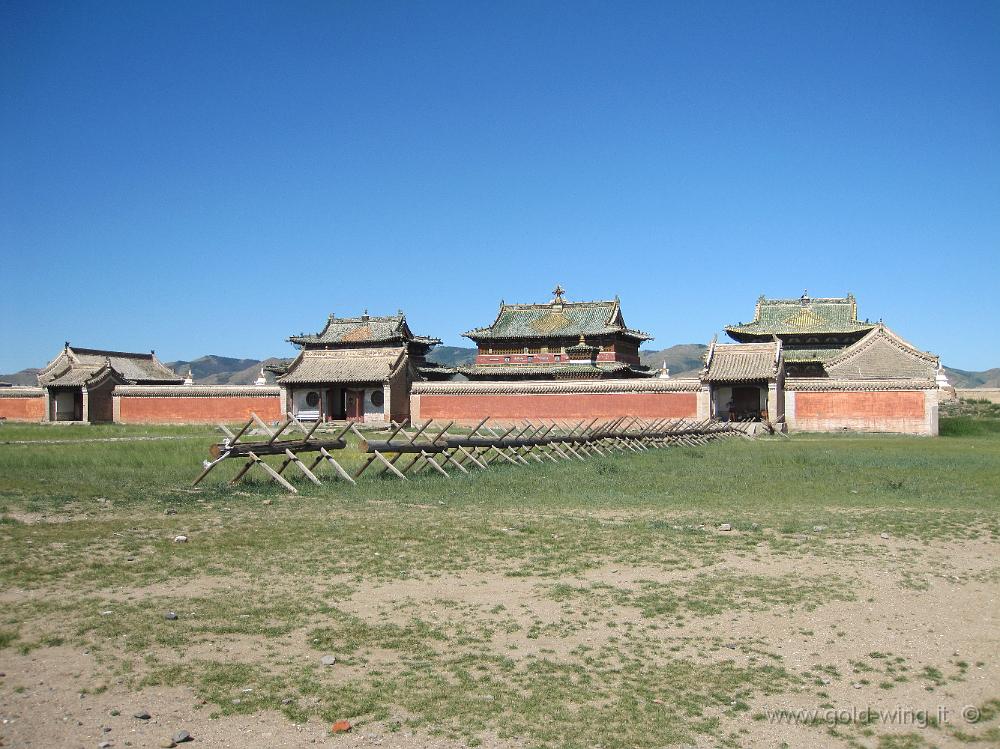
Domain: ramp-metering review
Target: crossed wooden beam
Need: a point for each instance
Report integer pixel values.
(233, 447)
(525, 440)
(408, 450)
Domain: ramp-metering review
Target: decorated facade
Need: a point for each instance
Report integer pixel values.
(801, 364)
(817, 367)
(810, 330)
(358, 369)
(557, 340)
(79, 382)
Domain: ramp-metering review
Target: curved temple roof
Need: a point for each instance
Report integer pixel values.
(363, 329)
(556, 319)
(742, 362)
(802, 316)
(75, 367)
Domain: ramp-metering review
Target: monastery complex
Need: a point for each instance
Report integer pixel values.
(801, 364)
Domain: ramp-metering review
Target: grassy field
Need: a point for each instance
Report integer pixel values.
(571, 605)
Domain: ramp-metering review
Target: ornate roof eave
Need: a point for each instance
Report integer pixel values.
(428, 340)
(104, 374)
(291, 366)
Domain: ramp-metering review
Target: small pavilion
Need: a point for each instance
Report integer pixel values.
(79, 382)
(357, 369)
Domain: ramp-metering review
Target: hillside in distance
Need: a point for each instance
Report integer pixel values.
(224, 370)
(452, 356)
(960, 378)
(683, 360)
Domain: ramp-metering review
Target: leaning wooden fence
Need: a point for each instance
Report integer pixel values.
(408, 450)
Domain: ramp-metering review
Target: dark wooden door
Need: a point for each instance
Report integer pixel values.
(354, 405)
(746, 402)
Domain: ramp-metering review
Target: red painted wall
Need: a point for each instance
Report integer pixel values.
(878, 411)
(900, 405)
(23, 409)
(193, 410)
(470, 407)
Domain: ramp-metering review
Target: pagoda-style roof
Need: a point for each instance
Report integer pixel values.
(76, 367)
(363, 330)
(314, 366)
(802, 316)
(557, 319)
(742, 362)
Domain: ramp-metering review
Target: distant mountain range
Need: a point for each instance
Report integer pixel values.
(963, 379)
(223, 370)
(682, 360)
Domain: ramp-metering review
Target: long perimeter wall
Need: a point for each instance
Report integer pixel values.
(468, 402)
(194, 404)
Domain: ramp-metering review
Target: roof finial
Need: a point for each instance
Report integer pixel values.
(557, 294)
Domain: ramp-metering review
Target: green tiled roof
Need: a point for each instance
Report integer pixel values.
(556, 320)
(802, 316)
(364, 329)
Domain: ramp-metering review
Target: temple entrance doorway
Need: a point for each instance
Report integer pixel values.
(746, 403)
(354, 405)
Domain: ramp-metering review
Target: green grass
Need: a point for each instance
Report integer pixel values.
(969, 426)
(86, 528)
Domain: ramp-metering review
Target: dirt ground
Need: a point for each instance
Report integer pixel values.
(948, 626)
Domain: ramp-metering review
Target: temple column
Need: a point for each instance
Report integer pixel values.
(705, 403)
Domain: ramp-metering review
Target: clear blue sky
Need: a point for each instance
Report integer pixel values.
(203, 177)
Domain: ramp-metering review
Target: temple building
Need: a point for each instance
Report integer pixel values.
(557, 340)
(357, 368)
(745, 380)
(78, 383)
(813, 365)
(810, 330)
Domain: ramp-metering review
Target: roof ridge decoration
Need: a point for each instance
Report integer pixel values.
(76, 351)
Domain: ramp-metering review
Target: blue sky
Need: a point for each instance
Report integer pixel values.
(203, 177)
